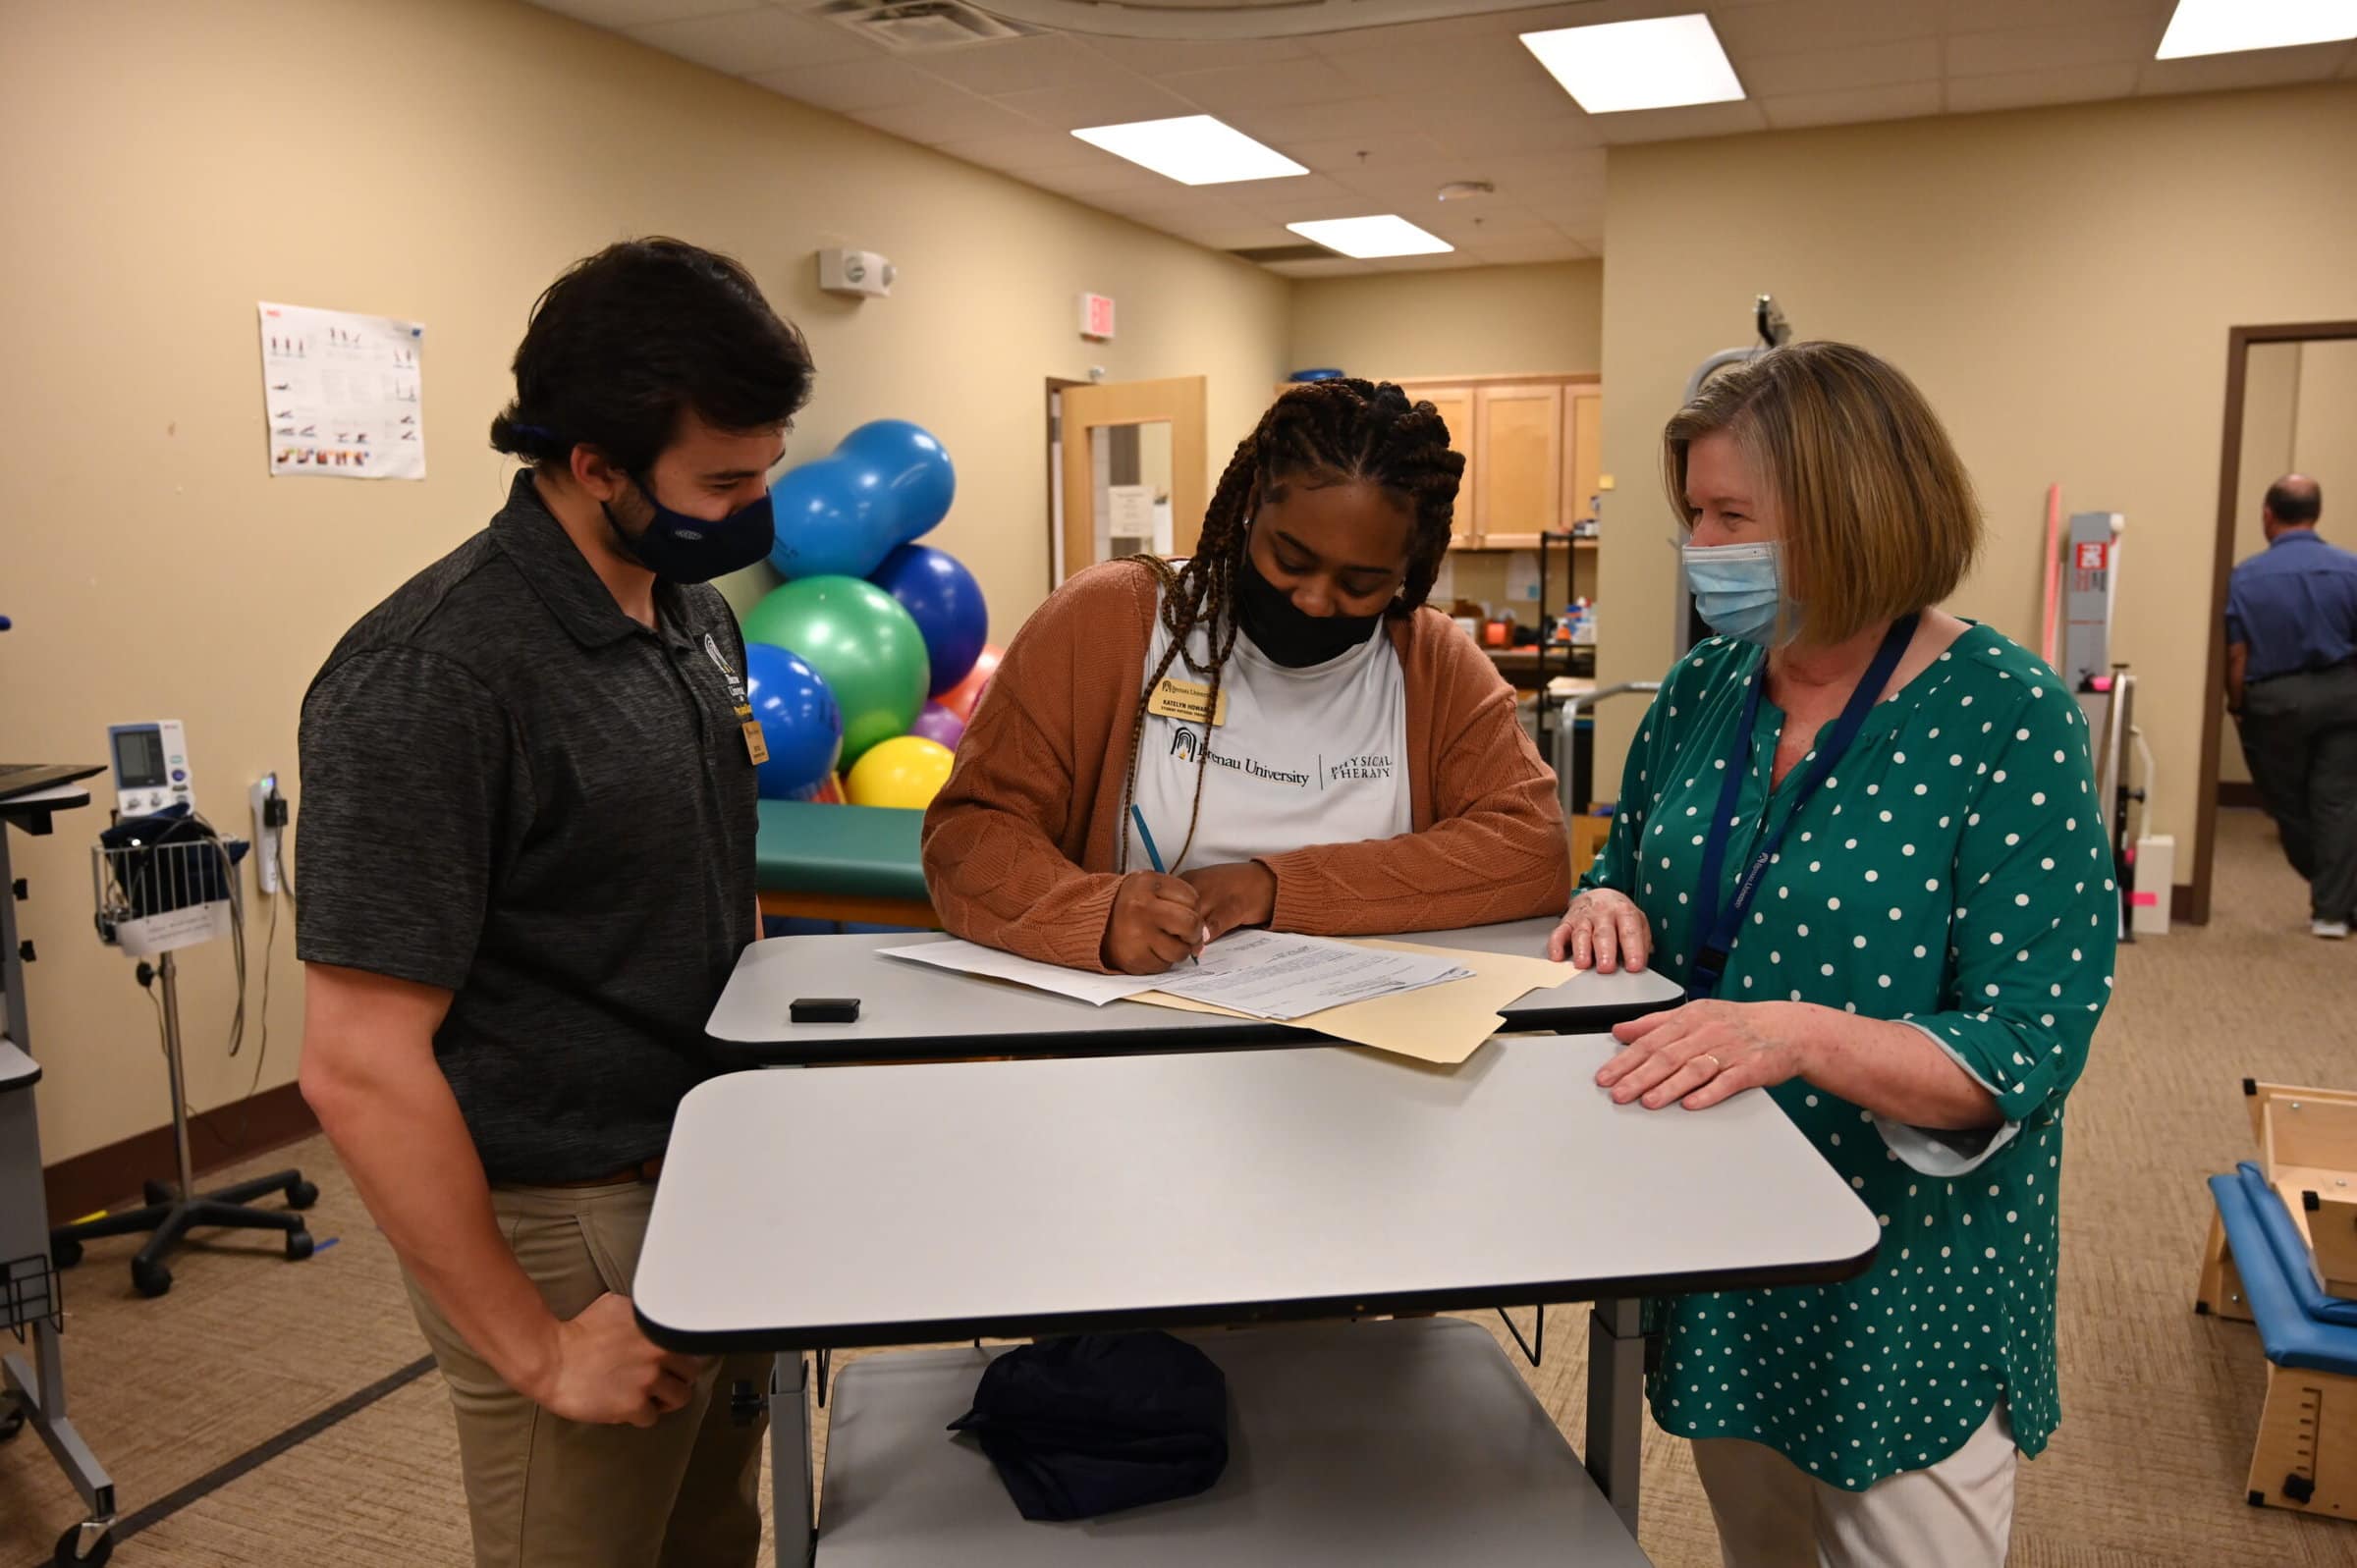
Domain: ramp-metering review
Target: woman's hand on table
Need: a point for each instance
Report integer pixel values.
(1234, 895)
(1603, 929)
(1155, 921)
(1701, 1053)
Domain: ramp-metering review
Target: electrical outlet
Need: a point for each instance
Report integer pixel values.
(269, 814)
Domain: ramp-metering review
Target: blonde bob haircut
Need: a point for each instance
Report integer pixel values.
(1879, 516)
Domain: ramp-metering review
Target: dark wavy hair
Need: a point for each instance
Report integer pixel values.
(633, 338)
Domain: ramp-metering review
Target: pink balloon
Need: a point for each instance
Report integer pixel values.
(937, 722)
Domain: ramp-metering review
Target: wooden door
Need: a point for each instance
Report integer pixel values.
(1519, 448)
(1133, 470)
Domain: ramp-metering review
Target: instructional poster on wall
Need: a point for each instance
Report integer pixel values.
(344, 393)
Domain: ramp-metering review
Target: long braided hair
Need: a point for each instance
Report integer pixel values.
(1324, 433)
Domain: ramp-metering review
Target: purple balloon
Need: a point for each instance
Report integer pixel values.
(937, 722)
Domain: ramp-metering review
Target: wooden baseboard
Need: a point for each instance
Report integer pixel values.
(2243, 796)
(105, 1177)
(2180, 903)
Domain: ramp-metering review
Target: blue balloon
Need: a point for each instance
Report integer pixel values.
(909, 465)
(800, 723)
(942, 597)
(835, 518)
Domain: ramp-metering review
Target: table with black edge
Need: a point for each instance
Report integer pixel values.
(1115, 1176)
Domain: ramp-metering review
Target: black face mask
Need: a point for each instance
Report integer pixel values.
(1280, 631)
(681, 548)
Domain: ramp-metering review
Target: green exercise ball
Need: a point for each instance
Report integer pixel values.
(862, 644)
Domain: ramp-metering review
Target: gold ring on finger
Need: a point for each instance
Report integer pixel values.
(1717, 1066)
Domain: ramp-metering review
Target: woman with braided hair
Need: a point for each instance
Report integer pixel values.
(1310, 748)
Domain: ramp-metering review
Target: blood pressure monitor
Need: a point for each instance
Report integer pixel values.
(151, 767)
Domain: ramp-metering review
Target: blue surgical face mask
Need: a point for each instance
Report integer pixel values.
(681, 548)
(1738, 589)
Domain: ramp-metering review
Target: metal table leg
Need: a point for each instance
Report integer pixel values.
(790, 1483)
(1615, 1408)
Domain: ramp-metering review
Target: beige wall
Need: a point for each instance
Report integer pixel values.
(1493, 321)
(2060, 282)
(2325, 445)
(167, 165)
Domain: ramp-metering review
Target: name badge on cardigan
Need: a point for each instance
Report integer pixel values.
(1186, 700)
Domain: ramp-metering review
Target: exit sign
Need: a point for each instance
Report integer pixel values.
(1096, 316)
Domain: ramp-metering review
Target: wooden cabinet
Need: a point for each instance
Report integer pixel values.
(1533, 448)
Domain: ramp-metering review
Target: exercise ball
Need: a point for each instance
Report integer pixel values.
(828, 791)
(911, 467)
(937, 722)
(942, 597)
(861, 643)
(834, 519)
(961, 698)
(906, 771)
(801, 723)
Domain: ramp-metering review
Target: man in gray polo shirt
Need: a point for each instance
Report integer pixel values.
(527, 835)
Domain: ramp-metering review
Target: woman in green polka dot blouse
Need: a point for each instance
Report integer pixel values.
(1926, 952)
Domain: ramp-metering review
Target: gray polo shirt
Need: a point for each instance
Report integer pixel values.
(514, 792)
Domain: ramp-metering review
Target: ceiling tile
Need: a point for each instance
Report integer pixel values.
(1014, 65)
(1795, 26)
(1032, 147)
(2075, 44)
(1695, 120)
(1526, 252)
(1280, 124)
(1336, 267)
(743, 43)
(1871, 65)
(619, 14)
(1109, 97)
(1155, 56)
(1292, 200)
(1983, 15)
(949, 118)
(2022, 90)
(1471, 129)
(1384, 149)
(2255, 68)
(852, 84)
(1230, 88)
(1087, 182)
(1899, 101)
(2349, 69)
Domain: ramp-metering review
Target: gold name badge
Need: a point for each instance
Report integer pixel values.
(1186, 700)
(754, 746)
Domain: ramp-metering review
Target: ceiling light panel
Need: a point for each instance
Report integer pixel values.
(1193, 149)
(1666, 63)
(1384, 235)
(2230, 26)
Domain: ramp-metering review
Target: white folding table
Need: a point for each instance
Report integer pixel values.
(910, 1009)
(920, 1203)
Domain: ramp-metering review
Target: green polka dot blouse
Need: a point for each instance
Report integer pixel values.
(1953, 873)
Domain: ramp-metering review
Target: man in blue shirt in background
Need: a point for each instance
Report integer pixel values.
(2292, 636)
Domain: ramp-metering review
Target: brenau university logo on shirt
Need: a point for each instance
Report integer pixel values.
(1188, 744)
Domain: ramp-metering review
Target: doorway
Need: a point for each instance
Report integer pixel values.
(2271, 372)
(1128, 473)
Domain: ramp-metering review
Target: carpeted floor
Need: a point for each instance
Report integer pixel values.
(2159, 1406)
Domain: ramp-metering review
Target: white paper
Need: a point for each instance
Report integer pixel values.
(1285, 977)
(342, 392)
(972, 958)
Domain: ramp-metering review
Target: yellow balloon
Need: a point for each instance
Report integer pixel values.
(906, 771)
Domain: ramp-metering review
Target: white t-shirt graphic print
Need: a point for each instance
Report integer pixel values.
(1309, 756)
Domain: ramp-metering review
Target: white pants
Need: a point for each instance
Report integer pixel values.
(1956, 1514)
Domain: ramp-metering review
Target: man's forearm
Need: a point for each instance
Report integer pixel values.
(396, 1128)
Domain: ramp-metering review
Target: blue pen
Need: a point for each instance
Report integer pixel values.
(1153, 855)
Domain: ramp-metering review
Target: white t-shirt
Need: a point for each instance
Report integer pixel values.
(1311, 756)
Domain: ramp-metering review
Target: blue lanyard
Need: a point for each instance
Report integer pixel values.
(1718, 928)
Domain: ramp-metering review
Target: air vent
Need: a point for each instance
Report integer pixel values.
(920, 26)
(1266, 255)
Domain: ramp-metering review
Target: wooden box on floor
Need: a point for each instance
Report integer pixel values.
(2305, 1457)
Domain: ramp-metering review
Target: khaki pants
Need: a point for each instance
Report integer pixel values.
(546, 1492)
(1771, 1514)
